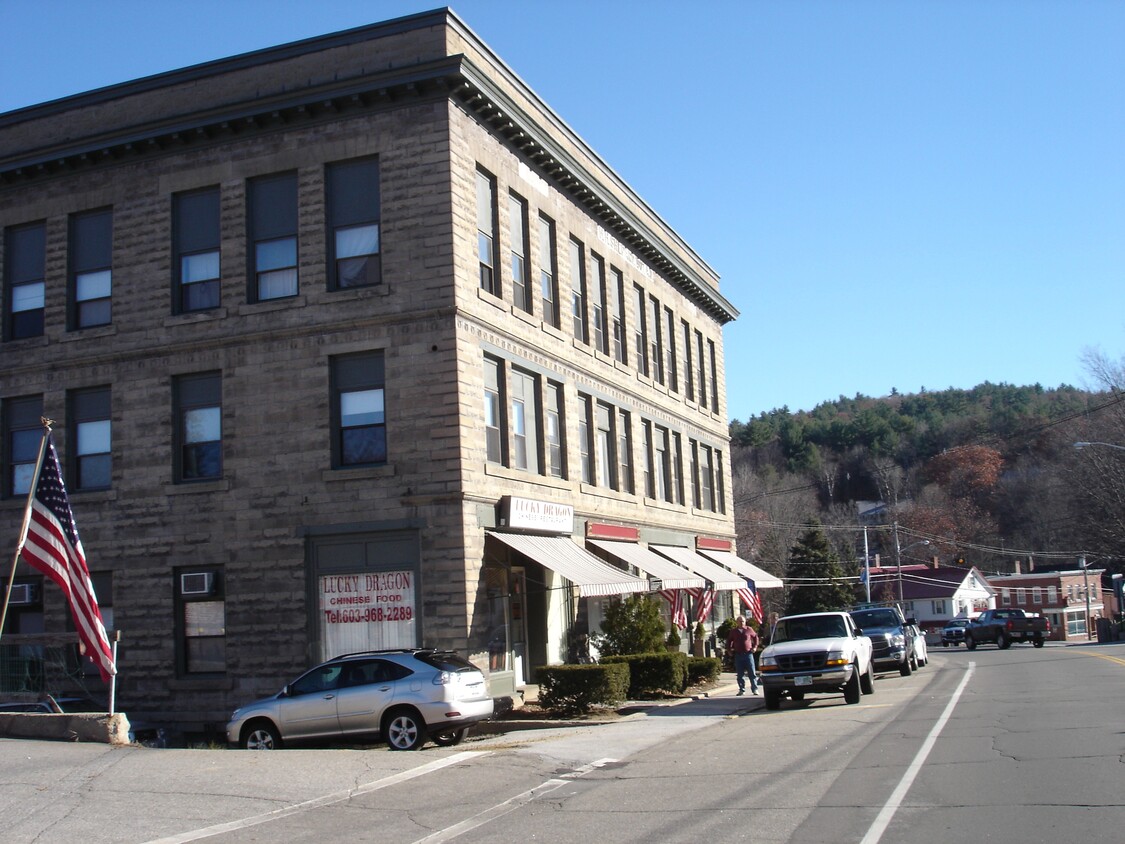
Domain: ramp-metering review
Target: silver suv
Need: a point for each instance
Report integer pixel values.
(402, 697)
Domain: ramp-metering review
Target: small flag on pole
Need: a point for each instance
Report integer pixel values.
(705, 599)
(52, 546)
(675, 599)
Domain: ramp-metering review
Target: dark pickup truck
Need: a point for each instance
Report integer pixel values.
(1002, 627)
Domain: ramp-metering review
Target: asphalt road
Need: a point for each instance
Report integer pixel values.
(1021, 745)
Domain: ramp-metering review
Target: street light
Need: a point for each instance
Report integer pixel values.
(898, 560)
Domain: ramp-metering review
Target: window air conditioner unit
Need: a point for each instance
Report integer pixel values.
(197, 583)
(23, 594)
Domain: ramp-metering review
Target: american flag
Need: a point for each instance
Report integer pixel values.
(53, 547)
(704, 600)
(675, 598)
(749, 596)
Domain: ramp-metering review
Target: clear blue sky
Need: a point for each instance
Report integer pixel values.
(898, 195)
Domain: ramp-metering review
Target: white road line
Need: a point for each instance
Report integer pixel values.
(884, 818)
(510, 805)
(326, 800)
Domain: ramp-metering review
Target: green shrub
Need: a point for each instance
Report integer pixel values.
(632, 625)
(703, 669)
(651, 675)
(576, 689)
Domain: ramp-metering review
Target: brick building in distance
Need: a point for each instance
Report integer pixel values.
(351, 343)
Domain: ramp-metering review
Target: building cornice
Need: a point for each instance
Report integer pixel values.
(453, 77)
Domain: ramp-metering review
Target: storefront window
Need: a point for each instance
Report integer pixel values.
(367, 611)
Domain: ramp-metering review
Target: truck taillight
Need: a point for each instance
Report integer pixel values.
(1009, 625)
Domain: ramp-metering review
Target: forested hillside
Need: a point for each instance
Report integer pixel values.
(989, 475)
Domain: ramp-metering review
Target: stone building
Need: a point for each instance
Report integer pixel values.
(351, 343)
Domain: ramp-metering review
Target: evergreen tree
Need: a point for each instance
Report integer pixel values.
(813, 557)
(632, 625)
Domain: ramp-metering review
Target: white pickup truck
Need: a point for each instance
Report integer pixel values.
(817, 652)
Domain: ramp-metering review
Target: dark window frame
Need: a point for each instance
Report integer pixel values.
(353, 197)
(22, 420)
(196, 232)
(92, 471)
(25, 266)
(90, 256)
(184, 640)
(192, 392)
(353, 374)
(272, 218)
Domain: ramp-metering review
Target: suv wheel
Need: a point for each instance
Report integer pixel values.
(404, 729)
(448, 738)
(261, 735)
(904, 669)
(773, 699)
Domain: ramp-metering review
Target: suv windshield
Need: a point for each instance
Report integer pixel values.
(811, 627)
(876, 618)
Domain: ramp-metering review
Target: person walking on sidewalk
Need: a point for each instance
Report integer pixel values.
(742, 642)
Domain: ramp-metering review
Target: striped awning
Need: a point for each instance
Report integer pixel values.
(560, 554)
(720, 578)
(762, 578)
(670, 574)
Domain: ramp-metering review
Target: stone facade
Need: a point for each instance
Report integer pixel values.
(433, 105)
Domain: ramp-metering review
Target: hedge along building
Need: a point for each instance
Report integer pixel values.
(351, 343)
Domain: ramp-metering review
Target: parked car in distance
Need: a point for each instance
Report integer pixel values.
(891, 639)
(1006, 626)
(954, 632)
(816, 652)
(921, 652)
(50, 705)
(402, 697)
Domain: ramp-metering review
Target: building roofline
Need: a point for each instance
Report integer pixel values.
(454, 77)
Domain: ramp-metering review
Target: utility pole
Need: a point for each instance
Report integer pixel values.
(1086, 589)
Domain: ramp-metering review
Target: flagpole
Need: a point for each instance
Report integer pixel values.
(26, 518)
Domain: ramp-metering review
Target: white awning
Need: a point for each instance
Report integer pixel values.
(762, 578)
(722, 579)
(560, 554)
(670, 575)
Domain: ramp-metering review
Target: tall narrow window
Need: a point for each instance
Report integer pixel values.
(90, 433)
(689, 373)
(195, 222)
(23, 436)
(706, 479)
(493, 421)
(360, 416)
(353, 219)
(517, 225)
(554, 424)
(486, 232)
(661, 464)
(617, 298)
(601, 304)
(201, 620)
(720, 486)
(603, 447)
(525, 421)
(676, 475)
(585, 439)
(273, 232)
(640, 331)
(199, 429)
(655, 342)
(578, 292)
(24, 274)
(714, 376)
(646, 457)
(548, 279)
(693, 474)
(624, 452)
(701, 370)
(670, 350)
(91, 272)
